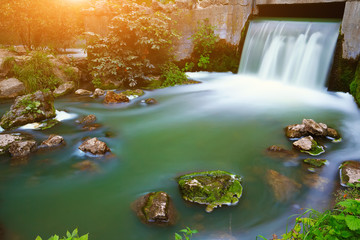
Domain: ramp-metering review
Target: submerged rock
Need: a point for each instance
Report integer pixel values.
(86, 165)
(155, 208)
(63, 89)
(150, 101)
(21, 149)
(214, 188)
(308, 145)
(280, 152)
(350, 173)
(88, 119)
(113, 97)
(11, 88)
(315, 162)
(53, 141)
(28, 109)
(313, 180)
(94, 146)
(283, 187)
(83, 92)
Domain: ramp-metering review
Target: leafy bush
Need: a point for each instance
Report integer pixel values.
(204, 40)
(139, 42)
(172, 75)
(211, 53)
(69, 236)
(341, 223)
(36, 73)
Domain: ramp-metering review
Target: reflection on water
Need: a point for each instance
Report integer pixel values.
(225, 123)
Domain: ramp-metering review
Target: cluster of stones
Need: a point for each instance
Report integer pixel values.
(303, 134)
(20, 146)
(306, 132)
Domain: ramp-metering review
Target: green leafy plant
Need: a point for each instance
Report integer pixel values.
(172, 75)
(186, 232)
(204, 40)
(343, 222)
(36, 73)
(69, 236)
(137, 45)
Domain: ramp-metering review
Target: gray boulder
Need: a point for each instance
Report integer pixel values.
(21, 149)
(314, 128)
(94, 146)
(11, 88)
(53, 141)
(83, 92)
(63, 89)
(295, 131)
(6, 140)
(98, 92)
(30, 108)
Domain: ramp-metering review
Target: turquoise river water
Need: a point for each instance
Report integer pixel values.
(224, 123)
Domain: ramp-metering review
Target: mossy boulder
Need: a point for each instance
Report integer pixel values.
(155, 208)
(214, 188)
(30, 108)
(350, 174)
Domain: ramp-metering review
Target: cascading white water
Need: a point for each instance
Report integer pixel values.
(294, 52)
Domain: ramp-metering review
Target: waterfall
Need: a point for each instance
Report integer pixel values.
(294, 52)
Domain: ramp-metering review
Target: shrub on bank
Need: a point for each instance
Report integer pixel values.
(139, 42)
(36, 73)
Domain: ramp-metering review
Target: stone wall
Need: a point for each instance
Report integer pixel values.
(229, 17)
(271, 2)
(351, 30)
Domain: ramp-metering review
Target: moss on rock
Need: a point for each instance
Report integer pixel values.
(213, 188)
(315, 162)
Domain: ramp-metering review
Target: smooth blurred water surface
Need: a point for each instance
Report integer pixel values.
(225, 123)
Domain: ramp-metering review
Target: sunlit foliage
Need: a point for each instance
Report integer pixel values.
(41, 23)
(138, 43)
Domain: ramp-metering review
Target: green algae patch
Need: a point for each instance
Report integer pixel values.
(315, 150)
(315, 162)
(213, 188)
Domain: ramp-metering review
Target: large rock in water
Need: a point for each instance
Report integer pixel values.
(21, 149)
(11, 88)
(214, 188)
(6, 140)
(155, 208)
(113, 97)
(28, 109)
(310, 127)
(94, 146)
(350, 173)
